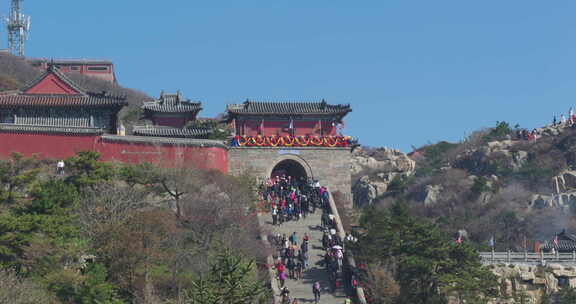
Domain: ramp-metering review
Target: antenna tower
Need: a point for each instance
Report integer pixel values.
(18, 26)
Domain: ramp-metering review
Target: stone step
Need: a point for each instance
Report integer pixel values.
(302, 289)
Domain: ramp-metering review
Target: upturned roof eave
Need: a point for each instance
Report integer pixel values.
(151, 109)
(16, 128)
(343, 112)
(165, 131)
(119, 104)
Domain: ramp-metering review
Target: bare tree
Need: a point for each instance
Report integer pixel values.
(108, 204)
(15, 290)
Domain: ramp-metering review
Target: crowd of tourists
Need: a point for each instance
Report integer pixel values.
(570, 121)
(564, 121)
(523, 134)
(291, 199)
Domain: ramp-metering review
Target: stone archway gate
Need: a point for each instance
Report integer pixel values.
(331, 166)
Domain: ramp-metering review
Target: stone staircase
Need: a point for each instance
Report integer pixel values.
(302, 289)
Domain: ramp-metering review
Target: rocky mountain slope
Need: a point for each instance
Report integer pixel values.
(374, 170)
(517, 185)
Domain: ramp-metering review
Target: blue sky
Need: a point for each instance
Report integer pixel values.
(414, 71)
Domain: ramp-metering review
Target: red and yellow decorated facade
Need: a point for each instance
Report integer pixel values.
(288, 123)
(291, 141)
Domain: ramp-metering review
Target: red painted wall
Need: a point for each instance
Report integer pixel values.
(301, 128)
(45, 145)
(166, 155)
(82, 68)
(176, 122)
(63, 146)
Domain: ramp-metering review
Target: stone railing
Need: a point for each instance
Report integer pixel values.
(270, 267)
(528, 258)
(349, 256)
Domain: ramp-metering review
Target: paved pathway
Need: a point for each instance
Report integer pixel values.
(302, 289)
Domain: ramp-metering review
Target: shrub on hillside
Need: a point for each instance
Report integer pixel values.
(501, 131)
(8, 83)
(130, 114)
(17, 290)
(18, 69)
(105, 233)
(434, 157)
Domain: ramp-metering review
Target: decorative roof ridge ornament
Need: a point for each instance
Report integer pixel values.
(171, 103)
(50, 66)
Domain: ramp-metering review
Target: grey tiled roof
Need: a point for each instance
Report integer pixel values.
(171, 132)
(165, 140)
(61, 100)
(82, 99)
(563, 245)
(49, 129)
(257, 107)
(172, 103)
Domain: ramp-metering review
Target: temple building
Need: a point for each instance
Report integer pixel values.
(562, 242)
(53, 118)
(101, 69)
(172, 116)
(54, 104)
(287, 123)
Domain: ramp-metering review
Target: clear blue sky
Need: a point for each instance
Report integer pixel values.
(414, 71)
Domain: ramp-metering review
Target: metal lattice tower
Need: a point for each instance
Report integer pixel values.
(18, 26)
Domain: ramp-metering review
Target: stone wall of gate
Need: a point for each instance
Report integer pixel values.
(331, 166)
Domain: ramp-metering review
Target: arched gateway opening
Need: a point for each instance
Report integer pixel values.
(289, 167)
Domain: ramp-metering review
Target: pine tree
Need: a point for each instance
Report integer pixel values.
(231, 280)
(429, 267)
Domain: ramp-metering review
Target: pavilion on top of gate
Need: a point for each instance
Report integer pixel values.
(171, 115)
(53, 103)
(253, 118)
